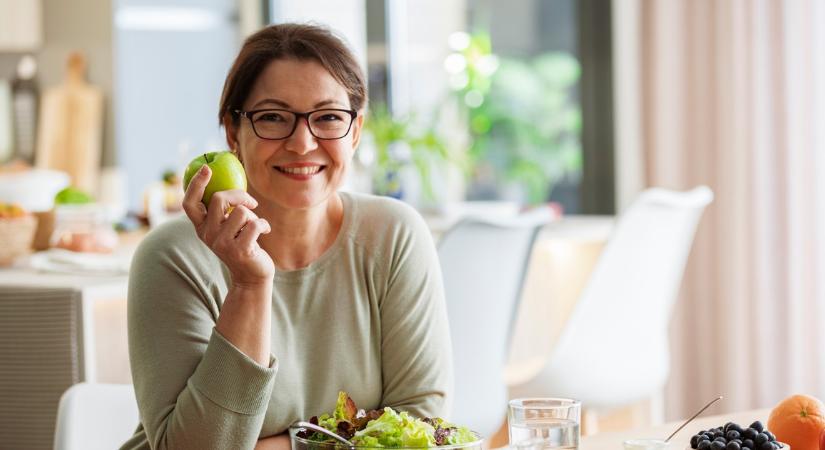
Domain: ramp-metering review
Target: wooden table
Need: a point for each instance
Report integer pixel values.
(613, 441)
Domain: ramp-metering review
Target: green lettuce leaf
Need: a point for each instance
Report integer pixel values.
(345, 408)
(387, 428)
(395, 429)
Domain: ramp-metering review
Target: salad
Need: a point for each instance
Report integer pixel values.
(385, 428)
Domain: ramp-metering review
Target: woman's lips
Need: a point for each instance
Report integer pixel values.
(300, 171)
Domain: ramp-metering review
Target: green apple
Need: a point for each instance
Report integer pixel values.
(227, 173)
(72, 196)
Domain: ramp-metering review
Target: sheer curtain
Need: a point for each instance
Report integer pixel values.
(732, 94)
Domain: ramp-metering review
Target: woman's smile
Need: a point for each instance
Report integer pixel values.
(300, 171)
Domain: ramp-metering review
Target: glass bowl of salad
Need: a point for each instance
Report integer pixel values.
(348, 427)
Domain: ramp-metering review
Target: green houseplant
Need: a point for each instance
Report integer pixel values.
(522, 115)
(399, 141)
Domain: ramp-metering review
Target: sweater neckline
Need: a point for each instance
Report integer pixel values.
(330, 254)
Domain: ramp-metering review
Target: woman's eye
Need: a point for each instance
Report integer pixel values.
(270, 117)
(329, 118)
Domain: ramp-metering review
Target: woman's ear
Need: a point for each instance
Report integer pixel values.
(357, 126)
(231, 129)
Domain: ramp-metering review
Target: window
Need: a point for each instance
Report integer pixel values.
(524, 34)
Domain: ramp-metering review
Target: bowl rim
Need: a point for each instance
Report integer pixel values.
(785, 446)
(478, 441)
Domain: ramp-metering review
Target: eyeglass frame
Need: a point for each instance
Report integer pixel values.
(298, 116)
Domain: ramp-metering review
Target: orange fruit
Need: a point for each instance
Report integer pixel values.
(798, 421)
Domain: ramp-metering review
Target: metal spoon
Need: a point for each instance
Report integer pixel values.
(694, 416)
(321, 430)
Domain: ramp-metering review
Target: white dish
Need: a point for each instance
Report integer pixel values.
(33, 189)
(67, 262)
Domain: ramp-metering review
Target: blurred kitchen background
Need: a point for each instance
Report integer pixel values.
(479, 107)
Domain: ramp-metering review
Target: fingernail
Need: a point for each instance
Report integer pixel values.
(204, 169)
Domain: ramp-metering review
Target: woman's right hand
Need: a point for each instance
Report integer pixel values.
(234, 237)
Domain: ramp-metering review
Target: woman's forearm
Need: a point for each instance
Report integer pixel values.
(246, 322)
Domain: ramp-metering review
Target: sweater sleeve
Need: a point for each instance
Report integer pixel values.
(415, 337)
(194, 389)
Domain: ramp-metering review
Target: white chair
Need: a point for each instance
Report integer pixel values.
(613, 350)
(95, 416)
(484, 261)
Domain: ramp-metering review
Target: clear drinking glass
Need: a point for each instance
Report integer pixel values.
(544, 423)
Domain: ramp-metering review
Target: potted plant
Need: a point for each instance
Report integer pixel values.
(400, 142)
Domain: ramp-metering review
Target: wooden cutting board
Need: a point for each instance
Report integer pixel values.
(70, 130)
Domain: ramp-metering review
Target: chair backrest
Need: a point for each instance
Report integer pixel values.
(95, 416)
(614, 348)
(483, 261)
(40, 357)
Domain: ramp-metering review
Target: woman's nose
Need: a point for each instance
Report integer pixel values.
(302, 141)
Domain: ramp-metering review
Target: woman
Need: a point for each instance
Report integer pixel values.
(241, 324)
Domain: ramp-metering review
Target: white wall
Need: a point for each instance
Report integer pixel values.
(168, 85)
(419, 31)
(630, 166)
(346, 17)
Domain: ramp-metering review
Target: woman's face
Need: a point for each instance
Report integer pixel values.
(301, 171)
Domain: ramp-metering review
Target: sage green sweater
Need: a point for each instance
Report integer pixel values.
(368, 317)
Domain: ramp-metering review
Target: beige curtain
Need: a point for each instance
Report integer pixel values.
(732, 95)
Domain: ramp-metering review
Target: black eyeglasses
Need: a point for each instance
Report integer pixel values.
(275, 124)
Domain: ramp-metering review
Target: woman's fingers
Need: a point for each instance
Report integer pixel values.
(220, 205)
(228, 225)
(249, 234)
(237, 220)
(192, 204)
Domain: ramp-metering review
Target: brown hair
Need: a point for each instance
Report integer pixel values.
(291, 40)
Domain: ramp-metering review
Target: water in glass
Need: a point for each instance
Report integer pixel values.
(542, 434)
